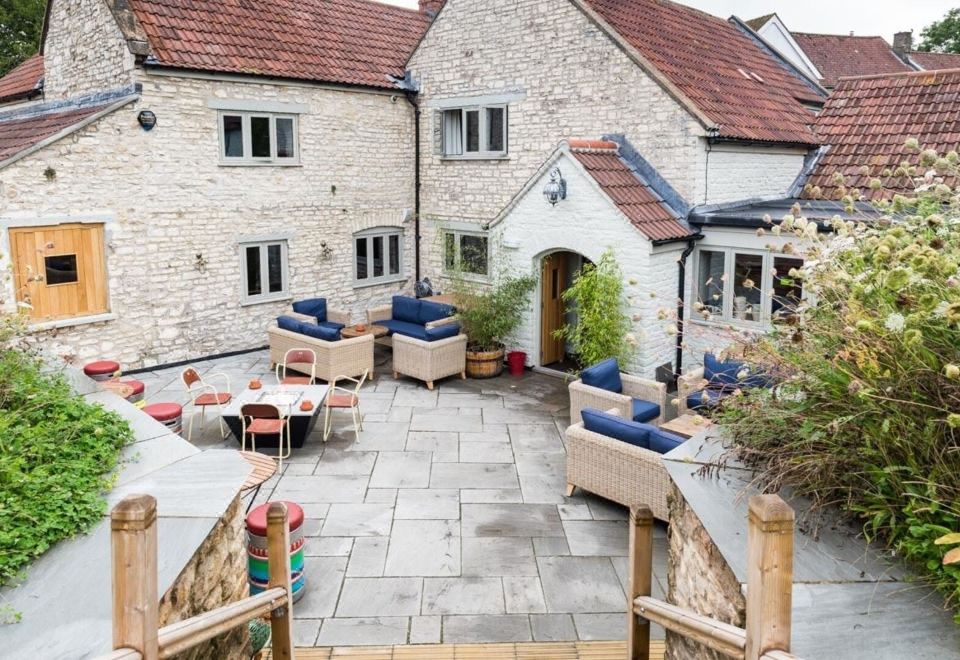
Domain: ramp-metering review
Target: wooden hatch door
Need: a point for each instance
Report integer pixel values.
(553, 283)
(60, 270)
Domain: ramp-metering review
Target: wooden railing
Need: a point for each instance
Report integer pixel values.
(769, 590)
(135, 600)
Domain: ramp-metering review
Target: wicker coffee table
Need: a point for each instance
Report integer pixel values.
(687, 426)
(368, 329)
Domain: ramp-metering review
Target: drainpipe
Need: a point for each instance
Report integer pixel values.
(681, 295)
(412, 100)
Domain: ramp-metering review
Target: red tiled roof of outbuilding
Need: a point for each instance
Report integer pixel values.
(838, 56)
(23, 81)
(739, 86)
(867, 121)
(19, 134)
(350, 42)
(935, 61)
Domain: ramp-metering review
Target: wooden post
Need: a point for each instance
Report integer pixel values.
(278, 546)
(133, 541)
(769, 575)
(641, 580)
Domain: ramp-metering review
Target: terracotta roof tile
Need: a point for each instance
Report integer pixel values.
(724, 72)
(867, 120)
(17, 134)
(22, 81)
(934, 61)
(354, 42)
(632, 195)
(837, 56)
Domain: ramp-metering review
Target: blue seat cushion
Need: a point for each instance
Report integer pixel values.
(289, 323)
(617, 428)
(333, 326)
(603, 375)
(721, 373)
(663, 442)
(320, 332)
(444, 331)
(644, 411)
(315, 307)
(431, 311)
(406, 309)
(396, 327)
(713, 396)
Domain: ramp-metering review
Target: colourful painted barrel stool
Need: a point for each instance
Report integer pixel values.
(257, 554)
(168, 414)
(102, 369)
(136, 396)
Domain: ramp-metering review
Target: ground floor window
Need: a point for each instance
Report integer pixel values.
(265, 271)
(744, 286)
(466, 252)
(378, 256)
(60, 271)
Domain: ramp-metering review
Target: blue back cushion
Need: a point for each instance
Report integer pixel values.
(289, 323)
(320, 332)
(316, 307)
(644, 411)
(406, 309)
(616, 427)
(443, 332)
(721, 373)
(431, 311)
(662, 442)
(604, 375)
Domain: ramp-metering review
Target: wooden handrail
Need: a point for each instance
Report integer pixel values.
(723, 638)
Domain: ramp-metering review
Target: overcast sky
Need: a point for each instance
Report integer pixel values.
(876, 17)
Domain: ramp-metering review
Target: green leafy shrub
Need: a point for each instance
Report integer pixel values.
(56, 454)
(602, 327)
(868, 415)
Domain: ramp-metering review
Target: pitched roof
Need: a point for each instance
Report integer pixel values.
(837, 56)
(867, 121)
(23, 81)
(632, 194)
(737, 84)
(353, 42)
(934, 61)
(18, 134)
(759, 21)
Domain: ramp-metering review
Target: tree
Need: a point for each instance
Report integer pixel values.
(942, 36)
(20, 24)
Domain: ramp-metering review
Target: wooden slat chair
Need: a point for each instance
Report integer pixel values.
(341, 398)
(203, 395)
(302, 357)
(265, 419)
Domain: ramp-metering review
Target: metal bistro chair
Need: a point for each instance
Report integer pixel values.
(203, 395)
(341, 398)
(265, 419)
(299, 356)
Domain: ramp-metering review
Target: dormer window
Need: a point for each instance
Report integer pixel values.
(475, 132)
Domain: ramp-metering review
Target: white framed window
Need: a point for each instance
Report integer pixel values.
(264, 266)
(378, 256)
(258, 138)
(745, 287)
(467, 252)
(475, 132)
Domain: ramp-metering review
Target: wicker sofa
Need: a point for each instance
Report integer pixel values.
(616, 470)
(633, 388)
(347, 357)
(410, 317)
(429, 361)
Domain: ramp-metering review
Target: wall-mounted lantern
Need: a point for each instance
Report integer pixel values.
(147, 119)
(556, 188)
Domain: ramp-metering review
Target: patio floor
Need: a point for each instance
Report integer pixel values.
(446, 522)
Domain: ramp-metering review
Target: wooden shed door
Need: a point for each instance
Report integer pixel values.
(553, 283)
(61, 270)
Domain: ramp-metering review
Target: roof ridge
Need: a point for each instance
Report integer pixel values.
(840, 36)
(586, 145)
(902, 74)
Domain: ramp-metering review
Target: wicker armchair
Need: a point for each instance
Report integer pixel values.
(687, 384)
(386, 312)
(429, 360)
(616, 470)
(348, 357)
(584, 396)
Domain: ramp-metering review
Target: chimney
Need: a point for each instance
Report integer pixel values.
(903, 43)
(431, 7)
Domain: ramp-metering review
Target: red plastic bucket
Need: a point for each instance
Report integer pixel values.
(516, 360)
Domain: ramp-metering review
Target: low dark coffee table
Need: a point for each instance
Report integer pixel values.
(301, 422)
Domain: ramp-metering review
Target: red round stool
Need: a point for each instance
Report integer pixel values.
(102, 369)
(168, 414)
(136, 396)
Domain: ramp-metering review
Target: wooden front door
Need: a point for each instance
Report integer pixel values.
(552, 310)
(60, 271)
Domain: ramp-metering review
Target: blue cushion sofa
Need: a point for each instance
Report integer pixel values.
(717, 379)
(420, 319)
(315, 311)
(603, 386)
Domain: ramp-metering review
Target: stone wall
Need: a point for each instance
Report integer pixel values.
(216, 576)
(84, 51)
(699, 579)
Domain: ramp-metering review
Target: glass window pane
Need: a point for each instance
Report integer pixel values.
(285, 146)
(453, 132)
(747, 283)
(787, 290)
(254, 287)
(233, 136)
(473, 254)
(378, 256)
(260, 136)
(710, 282)
(61, 269)
(473, 131)
(495, 129)
(394, 254)
(449, 251)
(361, 258)
(275, 268)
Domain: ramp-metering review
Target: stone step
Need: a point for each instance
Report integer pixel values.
(518, 651)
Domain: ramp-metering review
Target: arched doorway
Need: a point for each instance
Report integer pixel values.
(557, 272)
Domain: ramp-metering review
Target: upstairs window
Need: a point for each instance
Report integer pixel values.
(475, 132)
(258, 138)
